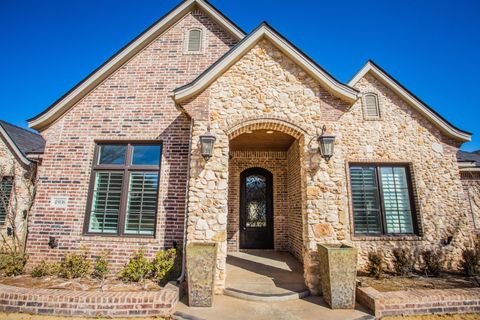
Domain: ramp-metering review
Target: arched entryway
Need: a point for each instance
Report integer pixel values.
(265, 230)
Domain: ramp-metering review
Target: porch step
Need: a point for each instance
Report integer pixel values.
(184, 316)
(266, 297)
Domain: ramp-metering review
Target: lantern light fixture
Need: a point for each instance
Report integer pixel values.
(207, 140)
(326, 143)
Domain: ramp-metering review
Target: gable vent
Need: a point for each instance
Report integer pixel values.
(371, 106)
(194, 40)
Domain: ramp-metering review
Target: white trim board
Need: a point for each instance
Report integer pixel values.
(264, 31)
(89, 83)
(387, 80)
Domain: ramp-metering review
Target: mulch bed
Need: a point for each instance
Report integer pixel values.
(415, 282)
(81, 284)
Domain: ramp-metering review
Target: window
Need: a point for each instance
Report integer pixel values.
(194, 40)
(124, 191)
(382, 200)
(371, 109)
(6, 186)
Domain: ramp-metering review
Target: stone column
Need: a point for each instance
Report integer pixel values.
(208, 197)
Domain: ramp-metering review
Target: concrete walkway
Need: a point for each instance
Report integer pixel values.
(265, 273)
(229, 308)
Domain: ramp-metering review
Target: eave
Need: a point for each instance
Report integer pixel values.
(425, 110)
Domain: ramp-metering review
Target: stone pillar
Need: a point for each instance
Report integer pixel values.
(208, 197)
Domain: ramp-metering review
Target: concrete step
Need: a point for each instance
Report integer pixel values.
(178, 315)
(266, 297)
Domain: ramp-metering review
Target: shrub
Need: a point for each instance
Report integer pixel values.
(431, 262)
(375, 266)
(164, 266)
(100, 268)
(75, 266)
(470, 261)
(137, 269)
(402, 261)
(45, 269)
(14, 264)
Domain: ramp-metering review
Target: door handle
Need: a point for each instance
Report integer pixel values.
(244, 228)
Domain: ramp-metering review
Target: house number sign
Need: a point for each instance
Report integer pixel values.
(58, 202)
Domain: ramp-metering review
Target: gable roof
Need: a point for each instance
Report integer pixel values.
(65, 102)
(264, 30)
(428, 112)
(21, 141)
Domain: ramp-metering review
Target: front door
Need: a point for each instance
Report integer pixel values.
(256, 210)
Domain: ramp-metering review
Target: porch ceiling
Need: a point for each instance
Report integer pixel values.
(262, 140)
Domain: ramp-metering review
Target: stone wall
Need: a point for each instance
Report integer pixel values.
(266, 87)
(21, 197)
(133, 104)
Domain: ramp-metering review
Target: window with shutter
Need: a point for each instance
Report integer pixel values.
(194, 40)
(371, 108)
(5, 194)
(123, 197)
(381, 199)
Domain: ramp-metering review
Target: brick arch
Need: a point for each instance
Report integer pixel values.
(262, 123)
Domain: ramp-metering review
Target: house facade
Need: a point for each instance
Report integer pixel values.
(123, 169)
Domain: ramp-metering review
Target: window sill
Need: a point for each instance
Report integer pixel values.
(387, 238)
(115, 238)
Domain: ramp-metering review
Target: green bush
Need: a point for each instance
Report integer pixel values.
(13, 264)
(137, 269)
(164, 266)
(75, 266)
(432, 262)
(46, 269)
(402, 261)
(375, 265)
(100, 268)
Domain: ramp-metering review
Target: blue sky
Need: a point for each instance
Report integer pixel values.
(431, 47)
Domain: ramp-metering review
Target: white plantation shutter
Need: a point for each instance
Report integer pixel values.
(371, 106)
(396, 200)
(194, 40)
(106, 202)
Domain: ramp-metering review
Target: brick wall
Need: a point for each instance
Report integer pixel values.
(294, 199)
(134, 103)
(276, 163)
(88, 304)
(417, 302)
(471, 186)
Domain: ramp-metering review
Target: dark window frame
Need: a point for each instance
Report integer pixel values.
(383, 223)
(11, 178)
(126, 169)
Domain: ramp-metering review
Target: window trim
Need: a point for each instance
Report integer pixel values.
(12, 179)
(364, 106)
(412, 198)
(202, 41)
(126, 169)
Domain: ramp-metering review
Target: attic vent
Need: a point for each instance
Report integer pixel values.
(194, 40)
(371, 108)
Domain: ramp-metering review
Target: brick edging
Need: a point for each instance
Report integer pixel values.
(88, 303)
(417, 302)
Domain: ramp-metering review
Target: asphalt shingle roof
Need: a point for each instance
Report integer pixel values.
(26, 140)
(465, 156)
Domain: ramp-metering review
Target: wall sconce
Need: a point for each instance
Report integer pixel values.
(207, 140)
(52, 242)
(9, 231)
(326, 143)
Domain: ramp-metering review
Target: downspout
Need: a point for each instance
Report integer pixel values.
(181, 278)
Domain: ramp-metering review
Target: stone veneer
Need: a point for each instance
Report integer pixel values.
(264, 88)
(22, 194)
(133, 104)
